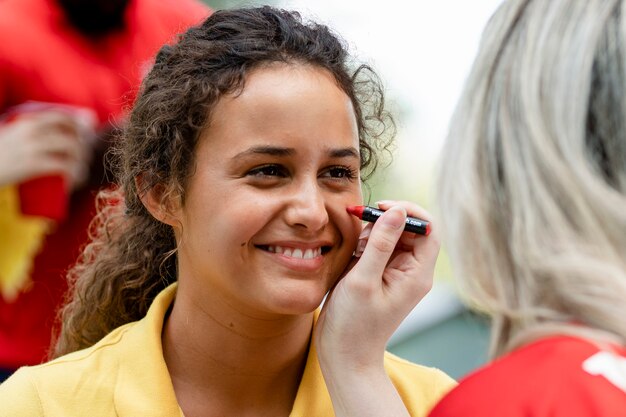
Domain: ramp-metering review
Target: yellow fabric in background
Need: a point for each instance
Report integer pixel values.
(20, 240)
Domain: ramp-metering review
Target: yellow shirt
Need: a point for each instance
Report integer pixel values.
(125, 374)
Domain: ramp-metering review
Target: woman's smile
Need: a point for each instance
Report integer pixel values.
(305, 257)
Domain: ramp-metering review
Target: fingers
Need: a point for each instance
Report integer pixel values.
(381, 242)
(408, 240)
(62, 154)
(42, 143)
(421, 245)
(50, 119)
(412, 259)
(411, 208)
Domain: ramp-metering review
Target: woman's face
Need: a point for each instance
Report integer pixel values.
(264, 226)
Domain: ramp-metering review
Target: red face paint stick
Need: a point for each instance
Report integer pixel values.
(371, 214)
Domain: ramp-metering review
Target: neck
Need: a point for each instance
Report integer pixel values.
(233, 364)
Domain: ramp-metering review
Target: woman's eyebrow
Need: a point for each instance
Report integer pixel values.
(348, 152)
(266, 150)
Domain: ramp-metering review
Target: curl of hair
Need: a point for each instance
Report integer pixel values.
(533, 184)
(130, 257)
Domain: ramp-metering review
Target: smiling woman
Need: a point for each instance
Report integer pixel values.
(200, 289)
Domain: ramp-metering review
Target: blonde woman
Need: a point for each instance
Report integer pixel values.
(533, 197)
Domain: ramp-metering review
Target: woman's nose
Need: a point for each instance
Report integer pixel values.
(307, 208)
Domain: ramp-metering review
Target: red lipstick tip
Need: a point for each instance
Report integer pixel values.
(355, 211)
(427, 230)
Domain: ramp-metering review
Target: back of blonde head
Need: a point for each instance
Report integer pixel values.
(532, 182)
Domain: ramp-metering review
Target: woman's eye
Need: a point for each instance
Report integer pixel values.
(268, 171)
(341, 172)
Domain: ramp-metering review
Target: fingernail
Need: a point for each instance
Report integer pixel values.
(395, 217)
(365, 233)
(384, 202)
(360, 247)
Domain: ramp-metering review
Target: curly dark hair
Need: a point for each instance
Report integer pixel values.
(129, 259)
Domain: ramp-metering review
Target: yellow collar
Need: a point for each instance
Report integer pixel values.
(145, 376)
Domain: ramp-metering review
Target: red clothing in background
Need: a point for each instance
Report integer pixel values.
(43, 58)
(554, 377)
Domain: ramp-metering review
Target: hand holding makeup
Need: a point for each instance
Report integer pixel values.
(392, 274)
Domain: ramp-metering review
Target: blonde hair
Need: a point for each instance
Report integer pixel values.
(532, 183)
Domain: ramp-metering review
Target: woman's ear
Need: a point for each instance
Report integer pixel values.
(161, 204)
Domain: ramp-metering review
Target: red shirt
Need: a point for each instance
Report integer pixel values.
(43, 58)
(554, 377)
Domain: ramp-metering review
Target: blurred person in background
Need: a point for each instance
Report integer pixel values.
(68, 71)
(532, 191)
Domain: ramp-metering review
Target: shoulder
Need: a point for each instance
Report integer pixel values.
(419, 386)
(402, 370)
(105, 378)
(174, 12)
(156, 22)
(546, 376)
(19, 396)
(59, 387)
(9, 11)
(13, 15)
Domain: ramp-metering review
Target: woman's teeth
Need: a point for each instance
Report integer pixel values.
(296, 252)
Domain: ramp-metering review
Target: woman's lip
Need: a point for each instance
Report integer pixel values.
(294, 256)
